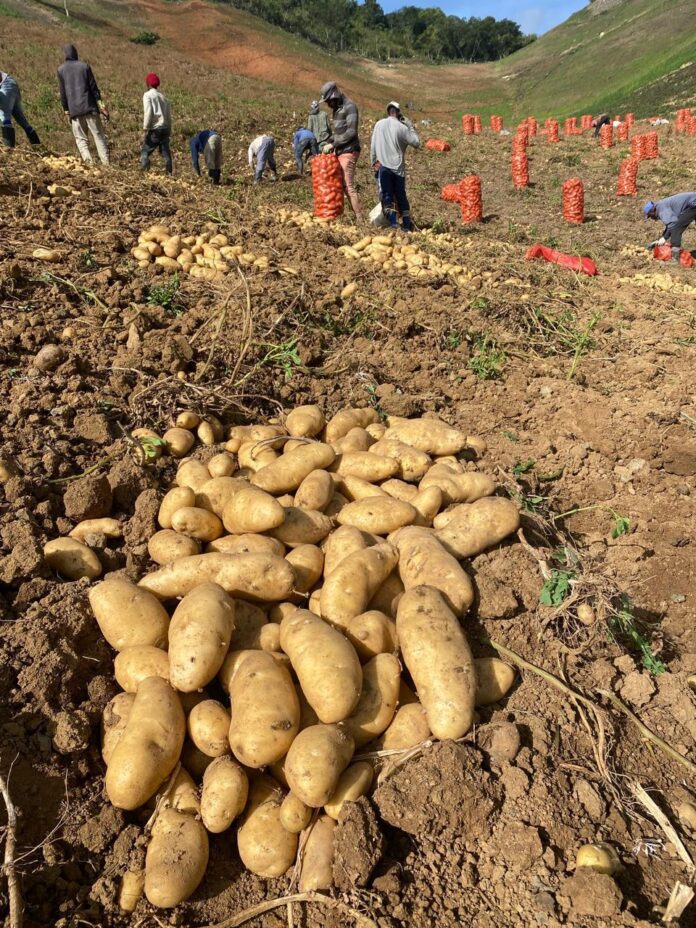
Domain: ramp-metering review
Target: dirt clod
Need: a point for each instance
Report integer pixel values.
(88, 498)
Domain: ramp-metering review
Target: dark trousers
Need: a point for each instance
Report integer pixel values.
(157, 140)
(309, 145)
(602, 122)
(685, 219)
(392, 194)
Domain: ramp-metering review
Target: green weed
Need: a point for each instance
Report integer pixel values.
(522, 467)
(167, 296)
(145, 38)
(453, 338)
(557, 588)
(625, 629)
(488, 360)
(284, 355)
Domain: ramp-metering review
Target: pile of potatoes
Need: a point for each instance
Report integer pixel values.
(208, 256)
(659, 282)
(68, 163)
(392, 254)
(307, 610)
(301, 219)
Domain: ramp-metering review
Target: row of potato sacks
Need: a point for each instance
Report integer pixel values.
(313, 576)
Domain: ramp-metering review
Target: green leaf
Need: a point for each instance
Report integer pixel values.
(556, 588)
(622, 525)
(523, 466)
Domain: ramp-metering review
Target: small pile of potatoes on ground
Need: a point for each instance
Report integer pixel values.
(391, 253)
(659, 282)
(307, 610)
(208, 256)
(301, 219)
(68, 163)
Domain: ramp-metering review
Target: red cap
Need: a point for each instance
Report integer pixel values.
(152, 80)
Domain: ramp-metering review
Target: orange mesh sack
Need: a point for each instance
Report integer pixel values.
(651, 144)
(606, 136)
(586, 121)
(630, 120)
(638, 147)
(628, 174)
(520, 169)
(519, 143)
(574, 201)
(686, 259)
(477, 125)
(523, 131)
(662, 252)
(691, 125)
(471, 200)
(468, 124)
(552, 131)
(450, 193)
(438, 145)
(327, 184)
(532, 126)
(571, 127)
(622, 132)
(497, 123)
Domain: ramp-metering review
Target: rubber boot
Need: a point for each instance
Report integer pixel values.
(8, 136)
(33, 137)
(676, 254)
(214, 176)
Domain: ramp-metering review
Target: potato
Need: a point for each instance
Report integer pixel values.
(439, 660)
(240, 434)
(224, 794)
(305, 421)
(112, 528)
(254, 455)
(128, 615)
(247, 544)
(378, 514)
(354, 782)
(179, 442)
(221, 465)
(378, 699)
(197, 523)
(182, 795)
(318, 856)
(413, 464)
(208, 726)
(167, 545)
(210, 430)
(315, 491)
(432, 436)
(288, 472)
(347, 419)
(265, 711)
(387, 597)
(264, 846)
(199, 636)
(338, 501)
(427, 504)
(234, 659)
(326, 665)
(263, 577)
(187, 420)
(423, 561)
(365, 464)
(345, 540)
(376, 430)
(252, 510)
(194, 761)
(216, 493)
(114, 720)
(353, 582)
(316, 759)
(176, 859)
(451, 461)
(249, 621)
(294, 814)
(149, 748)
(71, 559)
(458, 488)
(131, 890)
(308, 563)
(355, 488)
(269, 637)
(176, 498)
(277, 613)
(372, 633)
(409, 727)
(601, 857)
(474, 527)
(493, 680)
(398, 489)
(192, 474)
(355, 440)
(302, 527)
(133, 665)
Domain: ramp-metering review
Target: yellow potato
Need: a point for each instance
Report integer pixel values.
(247, 544)
(378, 699)
(176, 859)
(601, 857)
(288, 472)
(387, 597)
(252, 510)
(192, 474)
(409, 727)
(128, 615)
(355, 488)
(474, 527)
(354, 782)
(354, 581)
(182, 795)
(372, 633)
(318, 855)
(376, 430)
(316, 759)
(187, 420)
(305, 421)
(399, 489)
(234, 660)
(131, 890)
(179, 441)
(264, 846)
(345, 540)
(431, 436)
(197, 523)
(133, 665)
(258, 577)
(347, 419)
(269, 637)
(302, 527)
(215, 494)
(356, 440)
(249, 621)
(365, 464)
(294, 814)
(427, 504)
(493, 680)
(308, 563)
(254, 455)
(208, 726)
(338, 501)
(224, 794)
(72, 559)
(149, 748)
(210, 430)
(458, 488)
(439, 660)
(241, 434)
(423, 561)
(326, 665)
(199, 636)
(315, 491)
(114, 720)
(167, 545)
(112, 528)
(265, 711)
(378, 514)
(413, 464)
(176, 498)
(221, 465)
(278, 612)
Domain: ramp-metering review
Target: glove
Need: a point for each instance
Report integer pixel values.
(661, 240)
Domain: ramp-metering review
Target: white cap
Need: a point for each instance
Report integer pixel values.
(393, 104)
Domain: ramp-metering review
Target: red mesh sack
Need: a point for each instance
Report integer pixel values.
(532, 126)
(520, 169)
(477, 125)
(523, 131)
(622, 132)
(691, 125)
(450, 193)
(651, 144)
(630, 120)
(552, 131)
(471, 201)
(606, 136)
(628, 174)
(327, 184)
(468, 124)
(438, 145)
(571, 126)
(574, 201)
(662, 252)
(519, 143)
(497, 123)
(586, 121)
(572, 262)
(638, 147)
(686, 259)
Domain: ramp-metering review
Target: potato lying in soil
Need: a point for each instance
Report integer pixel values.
(178, 441)
(354, 782)
(167, 545)
(252, 510)
(114, 720)
(258, 577)
(493, 680)
(265, 847)
(239, 434)
(378, 699)
(427, 504)
(432, 436)
(413, 464)
(356, 440)
(197, 523)
(176, 498)
(192, 474)
(302, 527)
(208, 726)
(439, 660)
(470, 529)
(316, 759)
(305, 421)
(372, 633)
(128, 615)
(294, 814)
(215, 494)
(347, 419)
(133, 665)
(378, 514)
(112, 528)
(423, 561)
(315, 492)
(287, 473)
(344, 540)
(199, 637)
(72, 559)
(409, 727)
(367, 466)
(308, 563)
(318, 856)
(246, 544)
(224, 794)
(351, 585)
(458, 488)
(176, 859)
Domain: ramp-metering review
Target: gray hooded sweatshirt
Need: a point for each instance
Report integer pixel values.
(79, 93)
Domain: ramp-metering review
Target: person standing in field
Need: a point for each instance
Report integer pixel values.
(303, 142)
(319, 125)
(157, 125)
(604, 119)
(346, 143)
(209, 144)
(677, 213)
(11, 108)
(390, 139)
(82, 104)
(262, 150)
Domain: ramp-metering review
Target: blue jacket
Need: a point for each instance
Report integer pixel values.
(670, 209)
(197, 145)
(302, 135)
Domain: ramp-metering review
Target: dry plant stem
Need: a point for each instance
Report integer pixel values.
(656, 812)
(680, 897)
(162, 799)
(8, 867)
(241, 918)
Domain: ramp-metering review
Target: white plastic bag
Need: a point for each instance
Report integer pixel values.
(377, 217)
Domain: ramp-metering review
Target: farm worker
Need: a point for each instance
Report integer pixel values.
(303, 142)
(209, 144)
(676, 213)
(263, 150)
(82, 104)
(11, 108)
(391, 137)
(318, 123)
(604, 119)
(345, 138)
(157, 124)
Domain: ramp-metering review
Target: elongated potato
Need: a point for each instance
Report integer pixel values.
(399, 489)
(378, 514)
(372, 633)
(176, 498)
(240, 434)
(224, 794)
(326, 665)
(72, 559)
(167, 545)
(308, 563)
(187, 419)
(305, 421)
(265, 711)
(133, 665)
(302, 527)
(356, 440)
(252, 510)
(288, 472)
(197, 523)
(112, 528)
(355, 488)
(258, 577)
(474, 527)
(192, 474)
(347, 419)
(353, 582)
(423, 561)
(269, 637)
(439, 660)
(208, 726)
(179, 441)
(234, 660)
(365, 464)
(318, 856)
(114, 720)
(493, 680)
(216, 493)
(254, 455)
(316, 759)
(264, 846)
(149, 747)
(294, 814)
(413, 464)
(131, 890)
(176, 859)
(427, 504)
(128, 615)
(247, 544)
(210, 430)
(182, 796)
(354, 782)
(409, 727)
(387, 597)
(458, 488)
(315, 492)
(432, 436)
(199, 637)
(376, 430)
(345, 540)
(378, 699)
(221, 465)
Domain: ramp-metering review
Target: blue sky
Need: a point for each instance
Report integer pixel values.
(533, 15)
